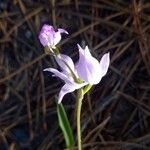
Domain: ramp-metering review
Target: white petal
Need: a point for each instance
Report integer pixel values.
(59, 74)
(88, 67)
(51, 37)
(68, 88)
(87, 53)
(62, 31)
(57, 38)
(63, 61)
(104, 63)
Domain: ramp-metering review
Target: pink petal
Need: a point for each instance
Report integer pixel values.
(43, 39)
(62, 30)
(47, 27)
(46, 35)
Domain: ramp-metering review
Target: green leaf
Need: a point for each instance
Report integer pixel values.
(65, 126)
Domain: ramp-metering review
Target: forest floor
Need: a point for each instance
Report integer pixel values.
(115, 113)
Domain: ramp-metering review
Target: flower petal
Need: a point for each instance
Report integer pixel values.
(59, 74)
(68, 88)
(46, 35)
(47, 27)
(43, 39)
(57, 38)
(57, 35)
(62, 31)
(104, 63)
(63, 61)
(88, 67)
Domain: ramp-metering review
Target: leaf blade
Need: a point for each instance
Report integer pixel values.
(65, 126)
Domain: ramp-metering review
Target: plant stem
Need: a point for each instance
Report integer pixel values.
(79, 104)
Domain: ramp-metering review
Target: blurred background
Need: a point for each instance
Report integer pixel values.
(115, 113)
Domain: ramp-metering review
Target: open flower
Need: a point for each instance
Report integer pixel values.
(67, 75)
(88, 70)
(49, 37)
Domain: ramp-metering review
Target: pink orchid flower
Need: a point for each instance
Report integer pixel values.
(49, 37)
(88, 70)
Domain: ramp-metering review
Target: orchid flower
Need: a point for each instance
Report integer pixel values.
(49, 37)
(88, 70)
(67, 75)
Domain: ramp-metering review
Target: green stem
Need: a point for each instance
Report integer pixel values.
(79, 104)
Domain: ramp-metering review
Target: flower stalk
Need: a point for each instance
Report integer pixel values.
(79, 105)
